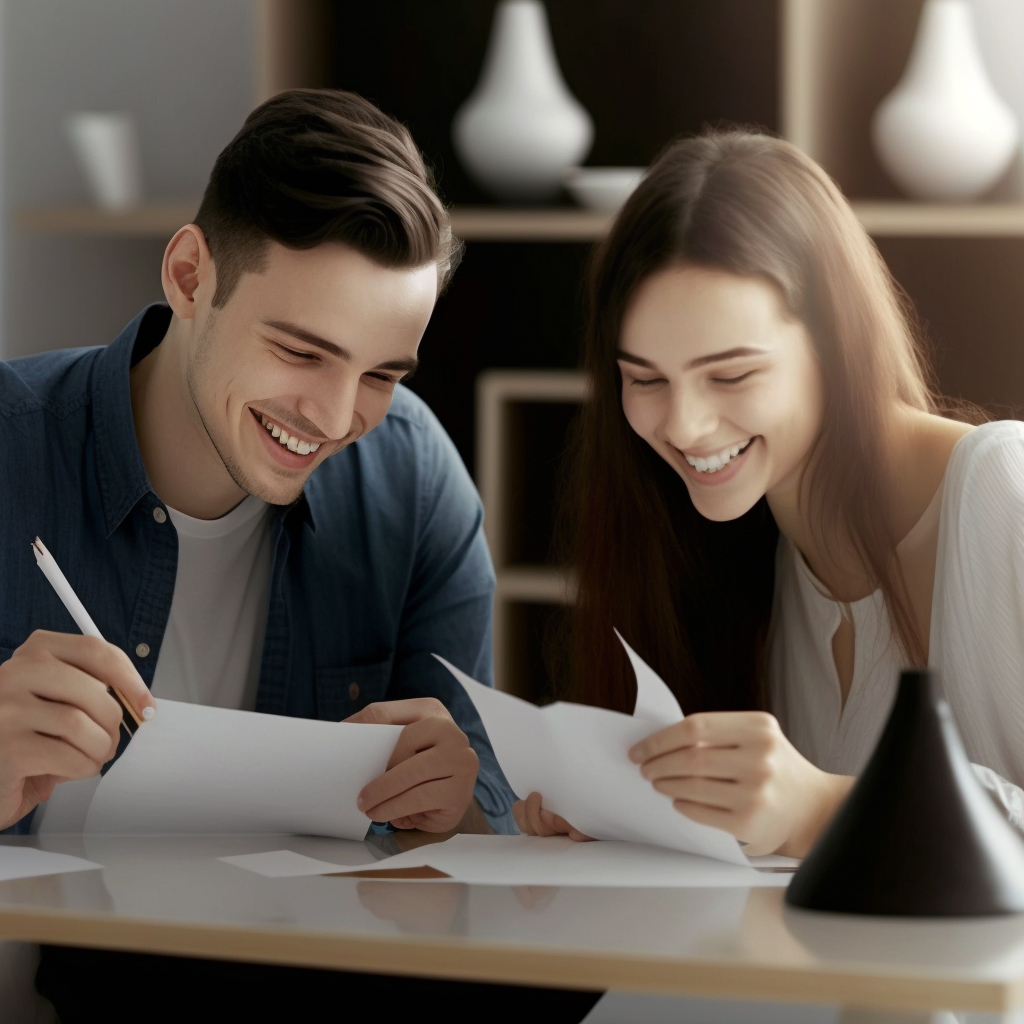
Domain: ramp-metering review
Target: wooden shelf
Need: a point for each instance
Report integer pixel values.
(155, 220)
(540, 584)
(473, 224)
(909, 220)
(485, 224)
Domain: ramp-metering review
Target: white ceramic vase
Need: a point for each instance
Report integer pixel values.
(521, 128)
(944, 133)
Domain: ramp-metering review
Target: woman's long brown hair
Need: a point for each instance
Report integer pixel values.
(694, 597)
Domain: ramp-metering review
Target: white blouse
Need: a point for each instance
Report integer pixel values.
(976, 636)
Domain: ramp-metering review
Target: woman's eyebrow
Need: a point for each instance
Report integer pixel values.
(714, 357)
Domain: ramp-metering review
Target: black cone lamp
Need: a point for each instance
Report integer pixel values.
(918, 835)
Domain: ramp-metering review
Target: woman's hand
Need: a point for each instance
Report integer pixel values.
(736, 770)
(533, 820)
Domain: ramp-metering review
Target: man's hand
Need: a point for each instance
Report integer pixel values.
(534, 820)
(430, 778)
(737, 771)
(57, 720)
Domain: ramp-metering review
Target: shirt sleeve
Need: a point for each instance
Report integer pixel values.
(977, 636)
(1008, 798)
(448, 612)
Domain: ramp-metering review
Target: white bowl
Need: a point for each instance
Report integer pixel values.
(602, 188)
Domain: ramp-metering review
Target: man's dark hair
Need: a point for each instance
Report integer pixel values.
(319, 165)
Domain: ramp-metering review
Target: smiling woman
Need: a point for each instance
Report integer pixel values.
(767, 503)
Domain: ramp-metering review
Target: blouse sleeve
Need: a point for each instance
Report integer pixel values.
(1007, 797)
(977, 625)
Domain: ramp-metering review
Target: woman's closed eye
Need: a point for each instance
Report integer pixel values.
(733, 380)
(645, 382)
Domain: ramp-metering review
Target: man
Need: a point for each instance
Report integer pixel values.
(253, 509)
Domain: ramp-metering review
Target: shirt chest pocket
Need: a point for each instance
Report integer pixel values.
(341, 691)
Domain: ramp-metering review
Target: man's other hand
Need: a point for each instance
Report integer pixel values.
(430, 778)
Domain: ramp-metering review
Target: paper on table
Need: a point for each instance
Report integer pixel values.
(576, 756)
(196, 769)
(28, 862)
(532, 860)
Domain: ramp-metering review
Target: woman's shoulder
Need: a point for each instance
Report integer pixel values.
(985, 476)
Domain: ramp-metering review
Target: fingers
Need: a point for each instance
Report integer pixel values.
(44, 755)
(400, 790)
(711, 728)
(400, 712)
(709, 792)
(725, 763)
(96, 658)
(534, 820)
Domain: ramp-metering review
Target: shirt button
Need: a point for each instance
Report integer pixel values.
(159, 515)
(353, 691)
(142, 650)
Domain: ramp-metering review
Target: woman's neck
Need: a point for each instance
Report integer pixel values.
(916, 447)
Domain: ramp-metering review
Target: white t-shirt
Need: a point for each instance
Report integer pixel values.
(976, 637)
(214, 640)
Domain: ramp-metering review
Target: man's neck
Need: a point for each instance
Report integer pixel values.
(180, 459)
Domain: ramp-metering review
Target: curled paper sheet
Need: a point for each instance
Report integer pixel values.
(576, 756)
(199, 770)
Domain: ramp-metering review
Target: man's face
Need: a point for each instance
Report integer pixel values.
(302, 360)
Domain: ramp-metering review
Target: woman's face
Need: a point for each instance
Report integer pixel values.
(723, 384)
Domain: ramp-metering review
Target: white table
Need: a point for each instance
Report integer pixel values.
(172, 896)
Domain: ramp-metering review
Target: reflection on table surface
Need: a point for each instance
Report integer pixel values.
(180, 880)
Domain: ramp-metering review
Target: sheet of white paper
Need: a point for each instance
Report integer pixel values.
(532, 860)
(577, 757)
(28, 862)
(66, 810)
(285, 864)
(196, 769)
(654, 700)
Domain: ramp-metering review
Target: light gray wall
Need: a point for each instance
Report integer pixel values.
(185, 68)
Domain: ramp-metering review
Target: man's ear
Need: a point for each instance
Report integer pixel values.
(187, 269)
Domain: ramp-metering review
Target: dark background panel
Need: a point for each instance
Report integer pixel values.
(646, 70)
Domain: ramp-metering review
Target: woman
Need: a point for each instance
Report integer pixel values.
(769, 507)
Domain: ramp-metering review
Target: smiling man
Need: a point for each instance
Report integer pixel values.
(254, 510)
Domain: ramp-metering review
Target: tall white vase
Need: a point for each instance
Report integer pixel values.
(521, 127)
(944, 133)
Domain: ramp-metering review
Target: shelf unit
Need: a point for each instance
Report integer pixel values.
(498, 393)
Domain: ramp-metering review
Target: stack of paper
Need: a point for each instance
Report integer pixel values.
(532, 860)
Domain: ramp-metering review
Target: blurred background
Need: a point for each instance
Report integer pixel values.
(499, 356)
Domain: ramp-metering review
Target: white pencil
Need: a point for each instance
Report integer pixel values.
(59, 582)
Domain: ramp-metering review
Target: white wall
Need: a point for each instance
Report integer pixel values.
(185, 68)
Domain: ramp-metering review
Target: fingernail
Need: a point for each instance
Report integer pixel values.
(636, 755)
(149, 713)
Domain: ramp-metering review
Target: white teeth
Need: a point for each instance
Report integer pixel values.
(289, 441)
(713, 463)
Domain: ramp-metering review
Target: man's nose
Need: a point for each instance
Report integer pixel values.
(332, 409)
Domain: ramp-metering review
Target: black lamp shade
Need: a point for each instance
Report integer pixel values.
(918, 835)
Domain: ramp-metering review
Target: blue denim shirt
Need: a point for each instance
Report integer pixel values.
(380, 563)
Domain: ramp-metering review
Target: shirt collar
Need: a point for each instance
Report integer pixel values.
(122, 475)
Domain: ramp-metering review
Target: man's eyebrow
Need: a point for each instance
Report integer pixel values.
(301, 334)
(714, 357)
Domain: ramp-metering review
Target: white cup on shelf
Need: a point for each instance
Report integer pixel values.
(107, 149)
